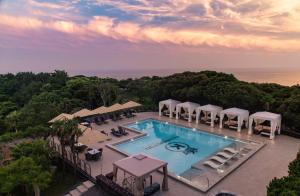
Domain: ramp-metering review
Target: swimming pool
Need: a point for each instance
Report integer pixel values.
(180, 146)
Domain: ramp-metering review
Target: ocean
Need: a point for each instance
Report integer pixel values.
(260, 75)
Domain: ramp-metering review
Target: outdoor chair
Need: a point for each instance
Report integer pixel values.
(110, 175)
(153, 188)
(103, 119)
(103, 132)
(98, 122)
(88, 157)
(116, 133)
(231, 150)
(80, 148)
(122, 131)
(225, 155)
(212, 164)
(218, 159)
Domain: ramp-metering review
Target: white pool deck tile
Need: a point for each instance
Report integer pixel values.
(251, 178)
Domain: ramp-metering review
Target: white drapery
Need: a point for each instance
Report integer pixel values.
(212, 109)
(189, 107)
(275, 120)
(241, 114)
(170, 104)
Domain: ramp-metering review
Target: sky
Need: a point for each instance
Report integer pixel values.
(118, 36)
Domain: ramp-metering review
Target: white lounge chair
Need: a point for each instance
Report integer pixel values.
(225, 155)
(218, 159)
(211, 164)
(231, 150)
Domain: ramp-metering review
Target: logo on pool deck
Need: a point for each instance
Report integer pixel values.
(180, 147)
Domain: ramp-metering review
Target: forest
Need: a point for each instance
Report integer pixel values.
(28, 100)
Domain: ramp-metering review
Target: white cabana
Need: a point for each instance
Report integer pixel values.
(188, 107)
(212, 109)
(241, 114)
(170, 104)
(260, 117)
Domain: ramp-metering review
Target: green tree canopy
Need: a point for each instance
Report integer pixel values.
(38, 150)
(23, 172)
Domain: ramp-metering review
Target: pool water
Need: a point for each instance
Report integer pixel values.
(180, 146)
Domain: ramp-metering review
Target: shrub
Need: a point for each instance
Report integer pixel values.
(36, 131)
(288, 185)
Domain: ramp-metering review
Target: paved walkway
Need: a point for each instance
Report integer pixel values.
(251, 178)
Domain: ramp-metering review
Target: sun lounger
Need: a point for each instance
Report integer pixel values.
(225, 155)
(153, 188)
(231, 150)
(122, 131)
(218, 159)
(116, 133)
(211, 164)
(103, 132)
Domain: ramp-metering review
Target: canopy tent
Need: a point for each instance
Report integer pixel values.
(241, 114)
(62, 116)
(140, 167)
(188, 107)
(130, 105)
(170, 104)
(82, 113)
(275, 120)
(212, 109)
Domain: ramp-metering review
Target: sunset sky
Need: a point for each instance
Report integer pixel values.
(80, 35)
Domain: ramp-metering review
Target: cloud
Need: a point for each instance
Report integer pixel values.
(246, 24)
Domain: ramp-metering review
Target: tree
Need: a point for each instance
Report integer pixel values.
(38, 150)
(23, 172)
(13, 119)
(108, 92)
(67, 132)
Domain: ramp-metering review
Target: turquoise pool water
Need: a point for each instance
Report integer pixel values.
(180, 146)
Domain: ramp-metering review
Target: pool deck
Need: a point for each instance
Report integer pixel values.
(250, 178)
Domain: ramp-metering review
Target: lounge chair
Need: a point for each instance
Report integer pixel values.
(122, 131)
(98, 122)
(103, 119)
(218, 159)
(212, 164)
(153, 188)
(231, 150)
(116, 133)
(103, 132)
(225, 155)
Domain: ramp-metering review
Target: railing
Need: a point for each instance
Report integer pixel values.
(80, 165)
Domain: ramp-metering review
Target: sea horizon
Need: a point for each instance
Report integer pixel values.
(286, 77)
(258, 75)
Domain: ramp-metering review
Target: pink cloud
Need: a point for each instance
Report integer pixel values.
(133, 32)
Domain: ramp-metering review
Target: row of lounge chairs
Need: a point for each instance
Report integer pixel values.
(117, 116)
(119, 133)
(221, 158)
(100, 121)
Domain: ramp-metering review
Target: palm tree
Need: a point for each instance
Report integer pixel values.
(68, 132)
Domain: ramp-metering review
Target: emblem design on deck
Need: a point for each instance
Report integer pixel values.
(180, 147)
